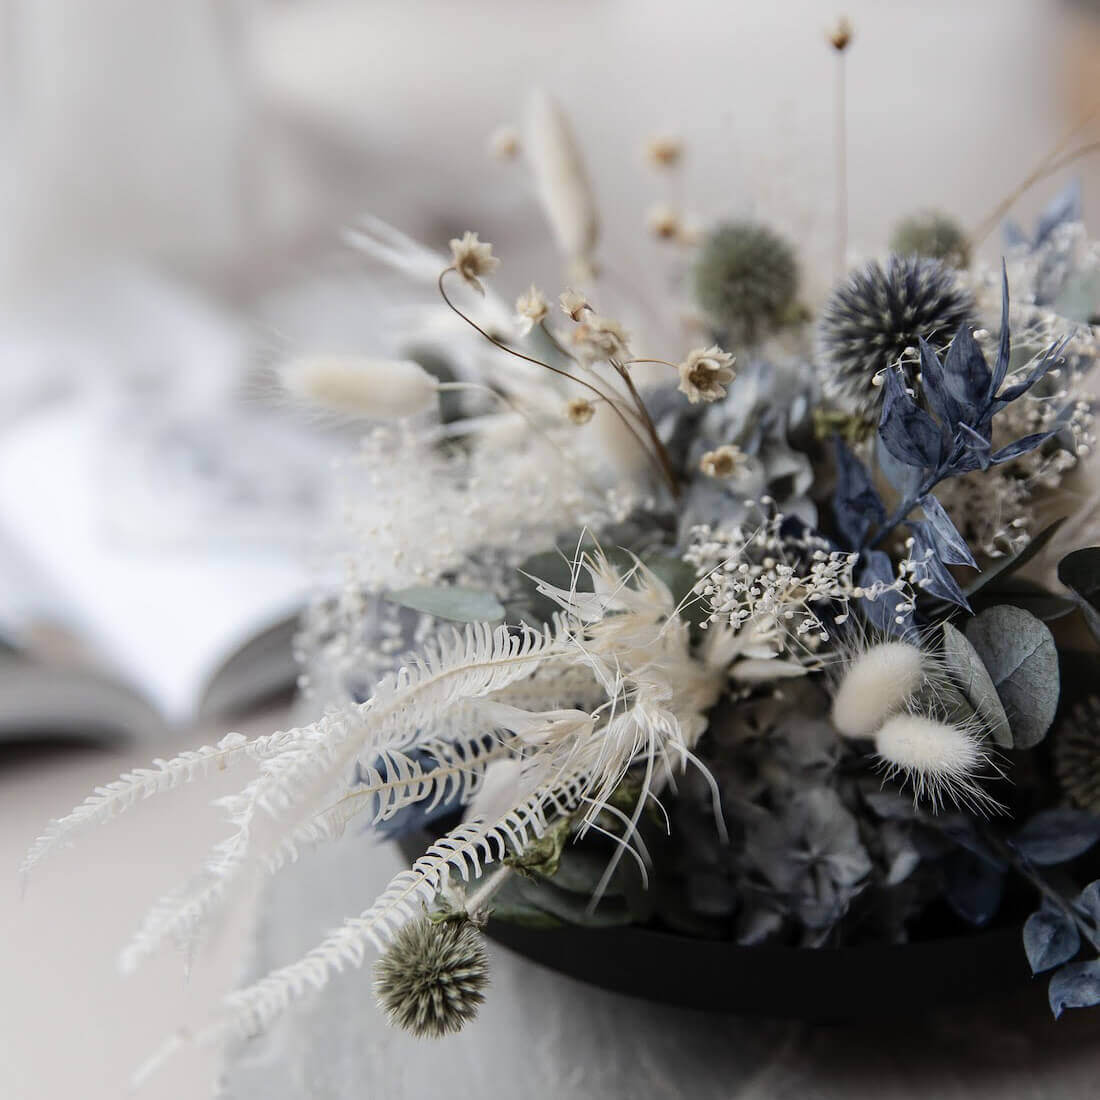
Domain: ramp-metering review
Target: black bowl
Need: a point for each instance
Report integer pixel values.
(827, 985)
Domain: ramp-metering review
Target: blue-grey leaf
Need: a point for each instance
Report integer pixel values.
(1019, 447)
(882, 612)
(905, 478)
(968, 672)
(928, 571)
(1050, 359)
(906, 430)
(946, 407)
(1050, 938)
(1019, 654)
(966, 376)
(462, 605)
(1088, 902)
(950, 545)
(1076, 985)
(1065, 207)
(1004, 349)
(1057, 835)
(856, 504)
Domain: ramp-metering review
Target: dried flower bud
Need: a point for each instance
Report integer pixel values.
(663, 221)
(601, 338)
(705, 373)
(504, 143)
(876, 685)
(531, 309)
(573, 304)
(663, 151)
(723, 462)
(472, 258)
(431, 981)
(360, 387)
(841, 35)
(580, 410)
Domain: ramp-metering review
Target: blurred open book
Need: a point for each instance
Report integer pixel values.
(108, 635)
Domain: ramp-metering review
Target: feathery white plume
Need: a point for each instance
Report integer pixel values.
(374, 389)
(876, 684)
(561, 180)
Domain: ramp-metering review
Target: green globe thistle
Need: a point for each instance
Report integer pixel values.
(934, 236)
(875, 314)
(746, 279)
(1077, 755)
(432, 978)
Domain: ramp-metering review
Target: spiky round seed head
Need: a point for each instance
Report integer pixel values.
(1076, 748)
(934, 236)
(746, 279)
(875, 314)
(875, 685)
(432, 978)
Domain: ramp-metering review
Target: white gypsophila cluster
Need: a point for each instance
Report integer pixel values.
(470, 700)
(760, 589)
(417, 508)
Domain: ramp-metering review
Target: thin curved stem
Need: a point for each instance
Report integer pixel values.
(666, 473)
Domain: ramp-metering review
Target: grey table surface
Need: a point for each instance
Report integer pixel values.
(544, 1035)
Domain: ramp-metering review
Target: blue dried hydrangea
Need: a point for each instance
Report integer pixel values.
(878, 313)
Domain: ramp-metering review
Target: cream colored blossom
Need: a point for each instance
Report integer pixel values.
(725, 461)
(601, 338)
(663, 151)
(573, 304)
(580, 410)
(504, 143)
(472, 258)
(664, 221)
(531, 309)
(705, 373)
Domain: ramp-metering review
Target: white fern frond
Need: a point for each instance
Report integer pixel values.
(466, 851)
(115, 798)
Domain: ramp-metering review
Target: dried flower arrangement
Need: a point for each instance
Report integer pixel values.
(766, 636)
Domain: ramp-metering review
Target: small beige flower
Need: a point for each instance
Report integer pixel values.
(504, 143)
(601, 338)
(580, 410)
(663, 221)
(841, 35)
(531, 309)
(472, 258)
(663, 151)
(705, 373)
(573, 304)
(725, 461)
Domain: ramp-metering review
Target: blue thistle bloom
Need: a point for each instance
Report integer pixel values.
(877, 314)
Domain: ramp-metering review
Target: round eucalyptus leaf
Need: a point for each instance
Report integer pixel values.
(1020, 657)
(968, 672)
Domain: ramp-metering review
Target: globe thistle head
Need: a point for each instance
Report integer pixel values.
(432, 978)
(877, 313)
(934, 236)
(1077, 755)
(746, 279)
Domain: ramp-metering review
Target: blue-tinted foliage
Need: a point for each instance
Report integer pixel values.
(856, 505)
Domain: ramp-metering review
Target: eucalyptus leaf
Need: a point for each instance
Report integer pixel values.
(1019, 654)
(453, 602)
(1076, 985)
(973, 887)
(967, 670)
(1057, 836)
(1050, 938)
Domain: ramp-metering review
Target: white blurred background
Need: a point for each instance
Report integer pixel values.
(175, 176)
